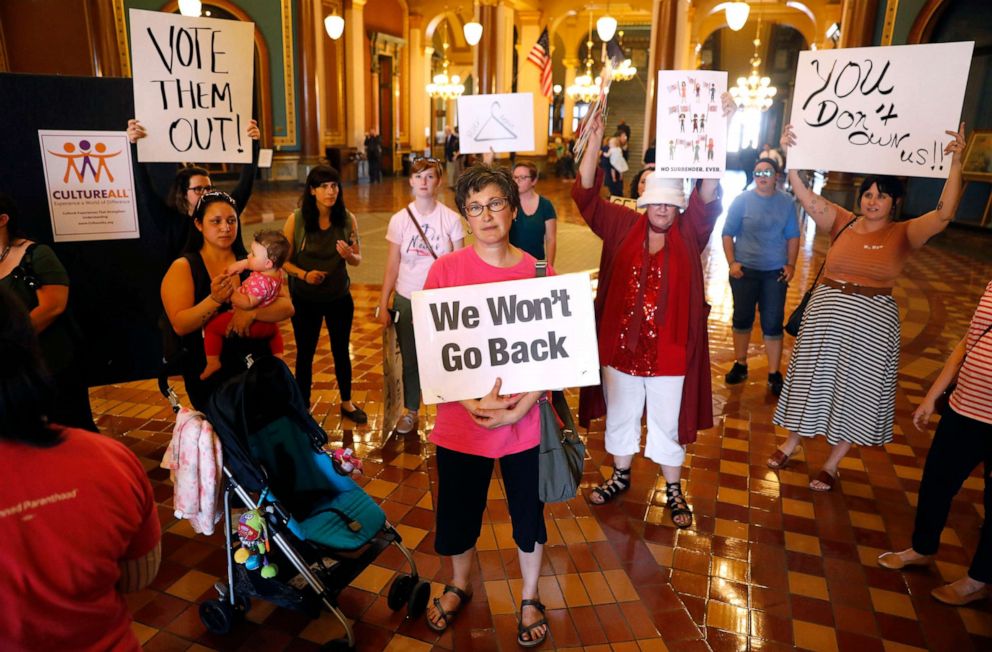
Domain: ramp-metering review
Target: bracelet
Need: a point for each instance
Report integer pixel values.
(303, 276)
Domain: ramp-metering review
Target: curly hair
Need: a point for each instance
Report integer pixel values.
(480, 176)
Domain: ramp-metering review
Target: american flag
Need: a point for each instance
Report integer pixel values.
(540, 56)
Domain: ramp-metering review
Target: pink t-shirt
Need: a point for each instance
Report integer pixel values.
(973, 395)
(442, 226)
(261, 286)
(454, 428)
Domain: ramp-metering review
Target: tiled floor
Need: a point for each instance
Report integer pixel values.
(767, 564)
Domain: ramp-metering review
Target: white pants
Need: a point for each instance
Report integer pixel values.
(625, 398)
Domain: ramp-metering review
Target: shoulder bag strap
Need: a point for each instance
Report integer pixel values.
(421, 232)
(299, 232)
(968, 350)
(824, 263)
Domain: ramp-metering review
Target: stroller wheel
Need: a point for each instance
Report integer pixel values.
(242, 604)
(418, 599)
(218, 616)
(337, 645)
(400, 592)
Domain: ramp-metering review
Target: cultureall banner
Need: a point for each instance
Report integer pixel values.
(534, 334)
(90, 187)
(192, 87)
(882, 110)
(692, 132)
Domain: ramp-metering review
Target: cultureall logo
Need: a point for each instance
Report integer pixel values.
(80, 156)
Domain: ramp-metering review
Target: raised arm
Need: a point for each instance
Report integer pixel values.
(823, 211)
(590, 157)
(242, 192)
(709, 189)
(930, 224)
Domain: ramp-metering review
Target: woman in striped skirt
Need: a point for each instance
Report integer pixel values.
(841, 380)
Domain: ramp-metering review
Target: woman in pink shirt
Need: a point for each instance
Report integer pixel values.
(471, 435)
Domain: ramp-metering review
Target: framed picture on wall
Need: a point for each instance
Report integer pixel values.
(978, 156)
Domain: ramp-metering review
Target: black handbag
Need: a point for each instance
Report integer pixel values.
(562, 454)
(796, 318)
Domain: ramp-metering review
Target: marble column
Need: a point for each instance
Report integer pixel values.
(664, 29)
(484, 56)
(571, 70)
(419, 107)
(310, 150)
(354, 42)
(504, 47)
(529, 78)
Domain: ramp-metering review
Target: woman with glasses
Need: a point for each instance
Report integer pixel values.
(418, 234)
(761, 242)
(323, 235)
(173, 215)
(841, 379)
(535, 230)
(197, 287)
(653, 347)
(33, 273)
(471, 435)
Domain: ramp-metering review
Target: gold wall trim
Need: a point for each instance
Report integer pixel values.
(120, 26)
(289, 84)
(888, 28)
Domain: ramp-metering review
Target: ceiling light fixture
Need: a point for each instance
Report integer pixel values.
(334, 25)
(737, 13)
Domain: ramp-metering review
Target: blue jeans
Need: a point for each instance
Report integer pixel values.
(764, 290)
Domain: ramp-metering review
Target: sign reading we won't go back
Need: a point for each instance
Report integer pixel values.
(192, 87)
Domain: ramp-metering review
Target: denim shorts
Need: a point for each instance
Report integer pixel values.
(764, 290)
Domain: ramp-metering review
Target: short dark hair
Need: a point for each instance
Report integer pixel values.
(530, 168)
(636, 181)
(481, 175)
(276, 246)
(26, 389)
(177, 195)
(890, 185)
(770, 161)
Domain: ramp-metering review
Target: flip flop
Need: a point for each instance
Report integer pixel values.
(447, 617)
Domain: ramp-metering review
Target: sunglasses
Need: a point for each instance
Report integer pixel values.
(764, 173)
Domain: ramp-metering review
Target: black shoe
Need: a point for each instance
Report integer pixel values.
(357, 415)
(775, 383)
(736, 375)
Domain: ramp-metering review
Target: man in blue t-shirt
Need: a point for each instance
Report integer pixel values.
(761, 241)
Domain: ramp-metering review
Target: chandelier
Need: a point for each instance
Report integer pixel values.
(585, 88)
(444, 86)
(624, 71)
(755, 91)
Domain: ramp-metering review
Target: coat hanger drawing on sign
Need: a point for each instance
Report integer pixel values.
(495, 128)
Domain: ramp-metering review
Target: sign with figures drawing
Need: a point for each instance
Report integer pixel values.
(692, 132)
(503, 122)
(534, 334)
(882, 110)
(192, 87)
(89, 184)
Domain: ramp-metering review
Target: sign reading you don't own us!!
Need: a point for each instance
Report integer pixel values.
(882, 110)
(192, 87)
(534, 334)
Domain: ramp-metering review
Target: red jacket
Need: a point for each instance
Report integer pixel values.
(611, 222)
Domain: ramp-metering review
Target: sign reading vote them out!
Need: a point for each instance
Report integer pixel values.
(192, 87)
(881, 110)
(534, 334)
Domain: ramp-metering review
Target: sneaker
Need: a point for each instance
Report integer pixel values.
(407, 423)
(775, 383)
(736, 375)
(357, 415)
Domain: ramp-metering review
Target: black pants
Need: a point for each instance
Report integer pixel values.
(959, 445)
(375, 169)
(462, 486)
(338, 314)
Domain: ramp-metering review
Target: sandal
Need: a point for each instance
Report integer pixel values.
(529, 629)
(780, 459)
(677, 506)
(618, 483)
(447, 617)
(824, 478)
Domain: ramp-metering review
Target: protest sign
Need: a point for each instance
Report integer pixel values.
(89, 183)
(882, 110)
(534, 334)
(692, 132)
(192, 87)
(503, 122)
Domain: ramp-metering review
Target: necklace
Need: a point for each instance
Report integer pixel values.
(3, 254)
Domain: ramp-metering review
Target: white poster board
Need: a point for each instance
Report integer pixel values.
(503, 122)
(692, 132)
(534, 334)
(89, 183)
(192, 87)
(882, 110)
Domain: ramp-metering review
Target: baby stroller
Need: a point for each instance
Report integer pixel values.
(324, 530)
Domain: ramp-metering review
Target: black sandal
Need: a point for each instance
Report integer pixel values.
(529, 629)
(677, 506)
(447, 616)
(618, 483)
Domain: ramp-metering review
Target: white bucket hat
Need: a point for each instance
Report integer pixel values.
(662, 191)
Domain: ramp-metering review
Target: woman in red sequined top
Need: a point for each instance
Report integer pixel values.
(653, 349)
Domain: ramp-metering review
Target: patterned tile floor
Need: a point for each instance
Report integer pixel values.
(768, 565)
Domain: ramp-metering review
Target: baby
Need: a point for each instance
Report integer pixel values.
(617, 161)
(265, 260)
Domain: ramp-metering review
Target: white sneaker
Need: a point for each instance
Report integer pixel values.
(407, 423)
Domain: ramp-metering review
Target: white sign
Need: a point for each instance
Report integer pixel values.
(90, 187)
(192, 87)
(882, 110)
(692, 132)
(534, 334)
(503, 122)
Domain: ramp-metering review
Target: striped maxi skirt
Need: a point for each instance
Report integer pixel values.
(841, 380)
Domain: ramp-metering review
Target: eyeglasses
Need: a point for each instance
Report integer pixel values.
(764, 173)
(525, 177)
(495, 205)
(201, 189)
